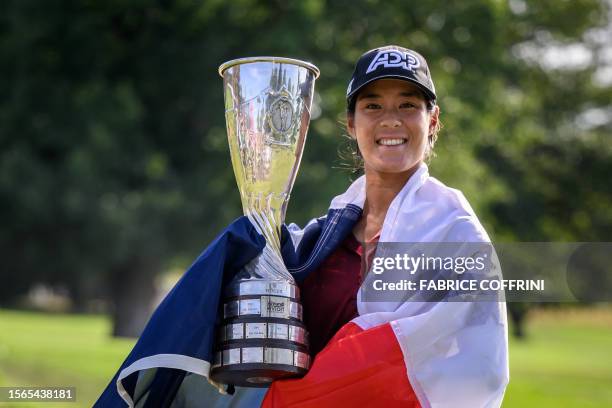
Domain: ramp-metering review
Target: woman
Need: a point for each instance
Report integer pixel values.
(392, 115)
(394, 353)
(389, 352)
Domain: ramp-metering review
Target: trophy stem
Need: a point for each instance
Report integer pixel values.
(265, 227)
(268, 265)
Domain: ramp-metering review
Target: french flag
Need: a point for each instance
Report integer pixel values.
(445, 354)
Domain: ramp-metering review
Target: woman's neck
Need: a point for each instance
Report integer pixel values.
(381, 189)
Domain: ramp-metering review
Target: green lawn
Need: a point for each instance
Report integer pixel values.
(59, 350)
(566, 361)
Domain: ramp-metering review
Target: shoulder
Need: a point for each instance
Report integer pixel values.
(441, 195)
(465, 225)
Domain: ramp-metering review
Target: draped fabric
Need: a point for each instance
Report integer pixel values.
(395, 353)
(454, 354)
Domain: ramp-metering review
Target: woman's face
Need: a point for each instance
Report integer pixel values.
(391, 124)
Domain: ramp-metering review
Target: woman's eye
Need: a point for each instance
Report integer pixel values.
(372, 106)
(407, 105)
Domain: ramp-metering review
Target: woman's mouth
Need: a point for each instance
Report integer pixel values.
(391, 142)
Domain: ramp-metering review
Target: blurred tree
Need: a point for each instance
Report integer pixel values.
(114, 160)
(551, 151)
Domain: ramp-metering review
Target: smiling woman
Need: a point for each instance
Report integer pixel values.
(393, 116)
(405, 354)
(392, 124)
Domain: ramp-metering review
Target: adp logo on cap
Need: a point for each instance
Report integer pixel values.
(391, 61)
(394, 59)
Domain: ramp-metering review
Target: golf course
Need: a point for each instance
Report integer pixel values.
(565, 361)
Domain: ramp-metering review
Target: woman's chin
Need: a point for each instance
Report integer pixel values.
(391, 168)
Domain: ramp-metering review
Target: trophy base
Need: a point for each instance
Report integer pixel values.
(255, 374)
(261, 337)
(258, 362)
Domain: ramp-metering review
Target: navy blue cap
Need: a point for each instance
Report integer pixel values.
(391, 61)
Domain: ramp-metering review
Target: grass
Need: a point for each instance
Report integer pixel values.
(565, 362)
(59, 350)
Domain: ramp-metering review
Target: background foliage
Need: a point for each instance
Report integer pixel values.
(114, 164)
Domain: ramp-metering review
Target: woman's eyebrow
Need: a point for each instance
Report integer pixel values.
(410, 93)
(369, 96)
(373, 95)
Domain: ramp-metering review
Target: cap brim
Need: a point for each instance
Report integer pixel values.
(422, 87)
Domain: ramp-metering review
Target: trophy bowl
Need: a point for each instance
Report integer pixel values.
(261, 337)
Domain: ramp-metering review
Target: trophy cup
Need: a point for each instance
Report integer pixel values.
(267, 109)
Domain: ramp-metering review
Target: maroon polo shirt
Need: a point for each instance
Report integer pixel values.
(329, 294)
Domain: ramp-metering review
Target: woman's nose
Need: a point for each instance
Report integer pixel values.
(390, 119)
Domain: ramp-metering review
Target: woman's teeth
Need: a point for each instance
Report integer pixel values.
(391, 142)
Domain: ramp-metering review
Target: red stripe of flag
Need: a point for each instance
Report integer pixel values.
(357, 368)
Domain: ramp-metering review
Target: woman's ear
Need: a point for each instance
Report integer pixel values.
(350, 125)
(433, 119)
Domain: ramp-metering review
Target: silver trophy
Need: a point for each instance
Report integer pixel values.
(267, 111)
